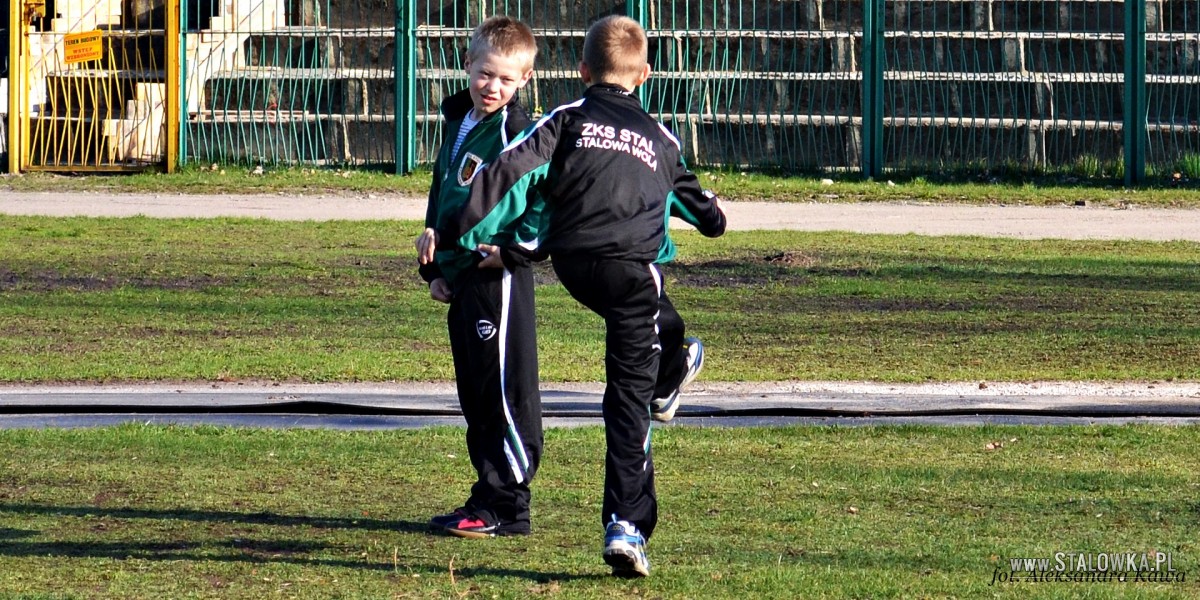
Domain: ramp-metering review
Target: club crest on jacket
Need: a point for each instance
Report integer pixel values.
(468, 168)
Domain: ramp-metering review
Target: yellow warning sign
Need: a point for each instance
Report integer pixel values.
(80, 47)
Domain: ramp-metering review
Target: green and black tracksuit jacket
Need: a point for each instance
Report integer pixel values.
(605, 172)
(452, 177)
(491, 326)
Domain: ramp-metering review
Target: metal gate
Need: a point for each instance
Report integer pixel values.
(93, 83)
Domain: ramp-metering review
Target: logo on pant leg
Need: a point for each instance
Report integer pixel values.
(485, 329)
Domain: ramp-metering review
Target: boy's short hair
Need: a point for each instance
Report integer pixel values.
(504, 35)
(614, 49)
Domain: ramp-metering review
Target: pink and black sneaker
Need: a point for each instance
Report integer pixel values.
(441, 522)
(478, 526)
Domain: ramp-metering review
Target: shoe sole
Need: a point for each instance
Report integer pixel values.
(667, 411)
(483, 535)
(471, 535)
(690, 376)
(625, 564)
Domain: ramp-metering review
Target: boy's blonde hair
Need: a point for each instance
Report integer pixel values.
(503, 35)
(614, 50)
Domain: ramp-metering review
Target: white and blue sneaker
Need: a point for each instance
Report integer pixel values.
(625, 550)
(663, 409)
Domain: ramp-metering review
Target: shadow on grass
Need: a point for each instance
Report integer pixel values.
(260, 518)
(257, 552)
(242, 549)
(10, 534)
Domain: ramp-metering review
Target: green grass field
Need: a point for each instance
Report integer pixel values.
(162, 300)
(794, 512)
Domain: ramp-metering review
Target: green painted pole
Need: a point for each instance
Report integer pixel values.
(405, 66)
(183, 83)
(872, 79)
(636, 10)
(1135, 92)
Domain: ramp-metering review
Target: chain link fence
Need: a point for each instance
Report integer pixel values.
(784, 85)
(1173, 88)
(289, 81)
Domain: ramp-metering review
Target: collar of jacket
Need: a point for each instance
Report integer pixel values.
(456, 106)
(607, 88)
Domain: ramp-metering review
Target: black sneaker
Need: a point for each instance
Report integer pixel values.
(441, 522)
(475, 526)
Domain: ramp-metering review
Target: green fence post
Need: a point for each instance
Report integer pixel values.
(405, 66)
(1135, 92)
(636, 10)
(872, 80)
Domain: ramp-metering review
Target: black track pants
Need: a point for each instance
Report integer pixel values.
(626, 294)
(673, 364)
(494, 341)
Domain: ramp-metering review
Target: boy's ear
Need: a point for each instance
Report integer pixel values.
(525, 78)
(585, 73)
(643, 76)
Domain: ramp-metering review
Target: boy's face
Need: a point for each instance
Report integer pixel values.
(494, 79)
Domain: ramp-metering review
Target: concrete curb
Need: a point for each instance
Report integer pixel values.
(584, 401)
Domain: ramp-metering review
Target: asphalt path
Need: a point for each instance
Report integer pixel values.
(387, 406)
(1024, 222)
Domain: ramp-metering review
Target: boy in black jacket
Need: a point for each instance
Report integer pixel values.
(491, 314)
(605, 170)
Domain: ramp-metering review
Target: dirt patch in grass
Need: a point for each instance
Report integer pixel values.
(266, 549)
(792, 258)
(53, 281)
(109, 498)
(734, 273)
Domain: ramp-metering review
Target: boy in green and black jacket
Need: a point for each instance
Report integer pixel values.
(491, 313)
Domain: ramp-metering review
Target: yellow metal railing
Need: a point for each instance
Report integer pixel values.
(94, 87)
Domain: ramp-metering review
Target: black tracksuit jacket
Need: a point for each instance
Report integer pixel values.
(606, 171)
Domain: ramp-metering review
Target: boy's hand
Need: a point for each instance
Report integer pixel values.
(491, 256)
(440, 290)
(426, 244)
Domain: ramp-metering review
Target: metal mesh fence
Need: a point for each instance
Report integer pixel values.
(291, 81)
(1173, 87)
(975, 85)
(1025, 83)
(758, 84)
